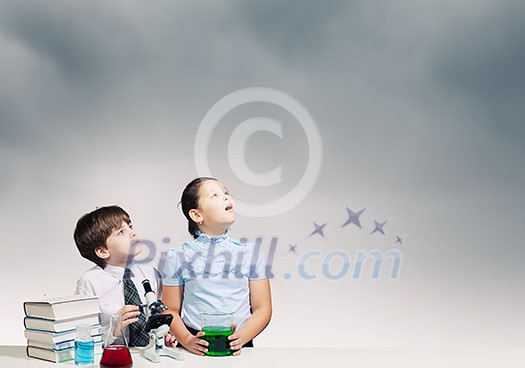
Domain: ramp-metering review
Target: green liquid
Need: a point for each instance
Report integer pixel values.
(217, 337)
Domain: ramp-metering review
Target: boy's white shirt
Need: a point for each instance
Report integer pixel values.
(107, 284)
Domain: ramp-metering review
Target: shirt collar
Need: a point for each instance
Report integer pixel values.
(206, 239)
(118, 271)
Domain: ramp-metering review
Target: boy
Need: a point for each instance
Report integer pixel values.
(106, 237)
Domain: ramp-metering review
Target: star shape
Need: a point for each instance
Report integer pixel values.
(378, 227)
(399, 239)
(319, 229)
(292, 248)
(353, 217)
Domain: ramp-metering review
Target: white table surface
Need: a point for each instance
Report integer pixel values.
(15, 357)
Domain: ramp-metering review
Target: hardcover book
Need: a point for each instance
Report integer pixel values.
(49, 325)
(55, 338)
(60, 345)
(57, 356)
(60, 308)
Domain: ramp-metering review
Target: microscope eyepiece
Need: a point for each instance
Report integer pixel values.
(147, 286)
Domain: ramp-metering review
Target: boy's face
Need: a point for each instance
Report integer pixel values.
(121, 246)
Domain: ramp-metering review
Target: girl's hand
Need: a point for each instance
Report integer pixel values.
(236, 341)
(169, 340)
(195, 344)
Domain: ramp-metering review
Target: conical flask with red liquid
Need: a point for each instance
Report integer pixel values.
(116, 353)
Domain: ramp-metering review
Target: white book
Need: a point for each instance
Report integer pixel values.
(55, 338)
(60, 308)
(50, 325)
(57, 356)
(60, 345)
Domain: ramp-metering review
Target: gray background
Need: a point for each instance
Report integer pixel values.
(419, 105)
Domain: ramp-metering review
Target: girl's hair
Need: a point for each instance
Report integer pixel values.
(190, 201)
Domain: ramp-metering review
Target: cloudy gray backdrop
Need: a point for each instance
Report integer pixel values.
(419, 105)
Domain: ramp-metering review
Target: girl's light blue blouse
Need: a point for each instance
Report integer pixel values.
(215, 272)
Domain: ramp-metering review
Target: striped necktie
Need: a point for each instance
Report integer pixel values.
(137, 330)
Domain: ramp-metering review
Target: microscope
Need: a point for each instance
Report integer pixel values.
(157, 326)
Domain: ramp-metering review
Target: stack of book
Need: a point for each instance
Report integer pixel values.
(50, 326)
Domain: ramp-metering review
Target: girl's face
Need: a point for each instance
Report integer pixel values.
(216, 210)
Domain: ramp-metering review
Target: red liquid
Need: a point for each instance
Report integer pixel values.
(116, 356)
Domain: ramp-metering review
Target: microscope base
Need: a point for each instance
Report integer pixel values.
(154, 355)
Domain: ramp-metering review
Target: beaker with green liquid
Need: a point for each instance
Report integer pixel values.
(217, 327)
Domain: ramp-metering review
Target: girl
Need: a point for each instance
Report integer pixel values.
(214, 273)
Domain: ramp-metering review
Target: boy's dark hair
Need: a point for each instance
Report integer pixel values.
(190, 200)
(94, 228)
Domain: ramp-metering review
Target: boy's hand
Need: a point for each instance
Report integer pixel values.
(129, 314)
(236, 341)
(195, 344)
(169, 340)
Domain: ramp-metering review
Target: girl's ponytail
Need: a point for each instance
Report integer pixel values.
(190, 200)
